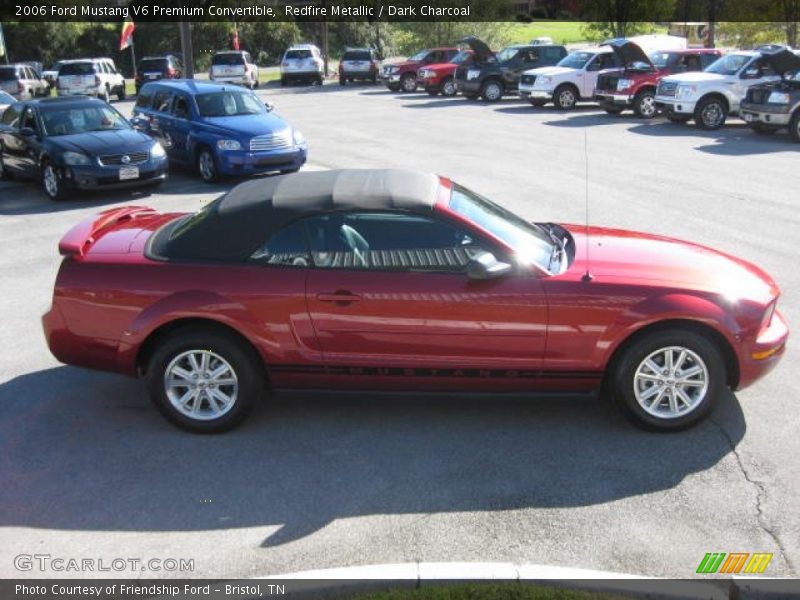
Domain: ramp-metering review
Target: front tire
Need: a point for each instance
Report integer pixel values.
(448, 87)
(204, 381)
(669, 380)
(408, 83)
(51, 184)
(106, 96)
(492, 91)
(565, 97)
(207, 166)
(644, 105)
(794, 127)
(710, 114)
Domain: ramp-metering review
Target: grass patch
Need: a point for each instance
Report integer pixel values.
(562, 32)
(483, 591)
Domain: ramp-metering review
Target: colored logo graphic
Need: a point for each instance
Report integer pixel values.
(735, 562)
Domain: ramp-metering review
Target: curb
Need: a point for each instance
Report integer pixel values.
(334, 582)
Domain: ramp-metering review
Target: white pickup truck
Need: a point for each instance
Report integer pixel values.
(572, 79)
(710, 96)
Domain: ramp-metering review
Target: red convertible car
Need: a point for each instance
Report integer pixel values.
(399, 280)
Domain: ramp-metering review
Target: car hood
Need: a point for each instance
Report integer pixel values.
(782, 60)
(479, 48)
(440, 66)
(618, 255)
(628, 52)
(551, 71)
(407, 64)
(695, 77)
(103, 142)
(249, 125)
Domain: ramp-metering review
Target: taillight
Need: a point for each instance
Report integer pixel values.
(170, 72)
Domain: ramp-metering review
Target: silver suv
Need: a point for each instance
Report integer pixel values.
(91, 77)
(22, 81)
(302, 62)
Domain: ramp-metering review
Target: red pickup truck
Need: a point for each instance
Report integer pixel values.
(439, 78)
(634, 85)
(403, 76)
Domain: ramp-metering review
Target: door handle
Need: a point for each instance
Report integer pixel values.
(339, 297)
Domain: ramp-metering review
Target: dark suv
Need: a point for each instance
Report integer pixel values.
(767, 107)
(493, 75)
(153, 68)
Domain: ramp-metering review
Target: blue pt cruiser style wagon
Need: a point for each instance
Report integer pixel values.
(221, 129)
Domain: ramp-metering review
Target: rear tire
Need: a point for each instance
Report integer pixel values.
(121, 93)
(613, 110)
(182, 383)
(655, 394)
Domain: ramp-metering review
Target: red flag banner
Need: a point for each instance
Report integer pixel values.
(235, 38)
(126, 37)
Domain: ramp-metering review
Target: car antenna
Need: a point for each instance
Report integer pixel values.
(587, 276)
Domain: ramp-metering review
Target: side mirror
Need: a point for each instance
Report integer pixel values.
(270, 106)
(27, 132)
(486, 266)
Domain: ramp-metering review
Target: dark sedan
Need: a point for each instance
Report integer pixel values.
(76, 143)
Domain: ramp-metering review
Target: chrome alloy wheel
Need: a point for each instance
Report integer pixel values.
(671, 382)
(567, 98)
(493, 91)
(647, 106)
(201, 385)
(206, 165)
(50, 180)
(712, 115)
(449, 88)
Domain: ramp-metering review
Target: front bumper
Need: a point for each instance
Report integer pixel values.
(612, 98)
(94, 177)
(768, 115)
(759, 357)
(671, 105)
(359, 74)
(533, 94)
(243, 162)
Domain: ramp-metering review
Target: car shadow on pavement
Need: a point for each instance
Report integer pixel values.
(734, 139)
(86, 451)
(526, 108)
(592, 117)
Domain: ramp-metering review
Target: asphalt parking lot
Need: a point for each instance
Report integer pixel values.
(89, 469)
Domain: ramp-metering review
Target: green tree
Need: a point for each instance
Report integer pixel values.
(622, 18)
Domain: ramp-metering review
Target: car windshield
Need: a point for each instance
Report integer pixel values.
(229, 104)
(82, 119)
(7, 73)
(298, 54)
(228, 59)
(576, 60)
(153, 64)
(507, 54)
(6, 98)
(461, 57)
(729, 64)
(77, 69)
(661, 59)
(419, 55)
(531, 244)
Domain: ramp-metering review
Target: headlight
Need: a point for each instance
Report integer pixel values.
(228, 145)
(299, 138)
(473, 74)
(157, 151)
(542, 80)
(624, 84)
(425, 73)
(392, 69)
(685, 91)
(75, 158)
(778, 98)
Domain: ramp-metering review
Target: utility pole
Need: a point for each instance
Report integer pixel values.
(186, 49)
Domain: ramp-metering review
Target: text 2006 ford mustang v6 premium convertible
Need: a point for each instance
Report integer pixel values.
(389, 279)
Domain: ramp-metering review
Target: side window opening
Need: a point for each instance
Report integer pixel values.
(389, 242)
(287, 248)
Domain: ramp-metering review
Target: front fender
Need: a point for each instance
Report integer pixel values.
(675, 306)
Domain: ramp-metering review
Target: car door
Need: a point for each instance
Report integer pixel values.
(588, 80)
(180, 125)
(9, 134)
(757, 71)
(162, 121)
(28, 142)
(389, 295)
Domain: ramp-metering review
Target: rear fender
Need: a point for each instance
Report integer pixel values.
(190, 304)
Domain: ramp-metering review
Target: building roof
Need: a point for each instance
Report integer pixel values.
(232, 227)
